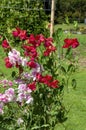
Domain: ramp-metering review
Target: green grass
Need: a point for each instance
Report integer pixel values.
(75, 100)
(68, 27)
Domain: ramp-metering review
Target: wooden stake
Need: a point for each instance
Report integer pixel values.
(52, 17)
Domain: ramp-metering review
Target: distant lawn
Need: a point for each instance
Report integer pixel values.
(68, 27)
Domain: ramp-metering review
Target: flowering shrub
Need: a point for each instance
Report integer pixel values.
(35, 89)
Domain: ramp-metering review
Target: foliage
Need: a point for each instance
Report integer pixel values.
(74, 9)
(36, 89)
(24, 14)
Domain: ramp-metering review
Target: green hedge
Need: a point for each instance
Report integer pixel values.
(26, 14)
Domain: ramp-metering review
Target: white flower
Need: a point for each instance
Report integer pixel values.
(20, 121)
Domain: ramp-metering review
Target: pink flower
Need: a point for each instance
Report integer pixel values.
(20, 97)
(29, 99)
(22, 88)
(3, 98)
(10, 83)
(10, 94)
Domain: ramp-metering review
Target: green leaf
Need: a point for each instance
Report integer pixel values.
(59, 32)
(13, 74)
(74, 83)
(70, 67)
(63, 69)
(35, 127)
(45, 125)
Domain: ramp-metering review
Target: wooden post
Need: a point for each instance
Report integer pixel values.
(52, 17)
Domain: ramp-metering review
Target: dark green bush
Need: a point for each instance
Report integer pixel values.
(26, 14)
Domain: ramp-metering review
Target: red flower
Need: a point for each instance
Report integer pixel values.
(29, 48)
(71, 43)
(32, 64)
(16, 32)
(40, 37)
(20, 33)
(39, 77)
(36, 40)
(47, 80)
(31, 39)
(7, 63)
(49, 50)
(48, 42)
(5, 44)
(32, 86)
(54, 84)
(68, 43)
(23, 35)
(75, 43)
(30, 51)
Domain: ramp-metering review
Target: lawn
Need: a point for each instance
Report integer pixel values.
(75, 102)
(68, 27)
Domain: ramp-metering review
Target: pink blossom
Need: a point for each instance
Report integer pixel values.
(3, 98)
(29, 99)
(21, 97)
(10, 94)
(22, 88)
(10, 83)
(24, 62)
(15, 58)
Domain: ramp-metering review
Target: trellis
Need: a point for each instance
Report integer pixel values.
(51, 7)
